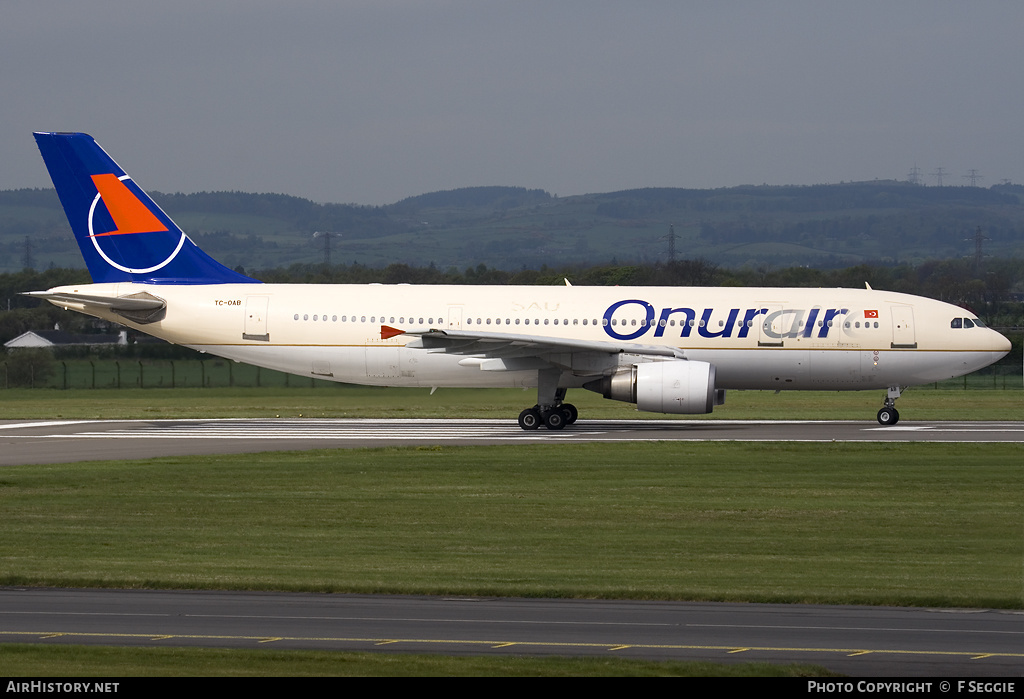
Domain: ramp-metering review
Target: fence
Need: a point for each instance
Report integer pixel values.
(213, 373)
(155, 373)
(999, 377)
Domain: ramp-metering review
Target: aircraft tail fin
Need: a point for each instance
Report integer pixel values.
(123, 235)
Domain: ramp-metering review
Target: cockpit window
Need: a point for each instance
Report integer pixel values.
(968, 323)
(957, 323)
(979, 323)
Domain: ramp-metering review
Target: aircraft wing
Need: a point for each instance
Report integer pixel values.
(513, 351)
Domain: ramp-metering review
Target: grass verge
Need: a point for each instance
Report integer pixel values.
(21, 660)
(899, 524)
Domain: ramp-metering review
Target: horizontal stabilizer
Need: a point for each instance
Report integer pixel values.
(142, 307)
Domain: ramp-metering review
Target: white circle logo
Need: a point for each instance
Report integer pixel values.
(131, 270)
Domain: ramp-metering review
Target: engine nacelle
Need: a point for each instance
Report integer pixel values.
(679, 387)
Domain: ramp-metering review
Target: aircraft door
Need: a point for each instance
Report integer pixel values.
(256, 308)
(771, 326)
(455, 317)
(903, 334)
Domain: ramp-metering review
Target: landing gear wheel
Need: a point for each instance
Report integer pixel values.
(529, 419)
(888, 416)
(554, 419)
(570, 412)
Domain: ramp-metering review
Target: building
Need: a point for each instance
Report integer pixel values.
(53, 339)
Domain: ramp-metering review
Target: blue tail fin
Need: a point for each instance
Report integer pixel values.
(123, 235)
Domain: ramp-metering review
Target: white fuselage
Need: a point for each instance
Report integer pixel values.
(757, 338)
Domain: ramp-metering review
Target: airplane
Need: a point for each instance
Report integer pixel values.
(672, 350)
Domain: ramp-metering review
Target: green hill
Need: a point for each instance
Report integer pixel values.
(513, 227)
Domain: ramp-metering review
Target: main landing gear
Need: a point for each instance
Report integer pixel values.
(554, 417)
(888, 415)
(550, 410)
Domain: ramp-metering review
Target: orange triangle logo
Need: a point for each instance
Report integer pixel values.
(130, 215)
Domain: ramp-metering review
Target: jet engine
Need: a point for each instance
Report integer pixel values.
(663, 387)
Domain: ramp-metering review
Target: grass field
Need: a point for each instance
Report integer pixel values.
(338, 400)
(902, 524)
(19, 660)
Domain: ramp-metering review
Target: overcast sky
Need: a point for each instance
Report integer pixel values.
(372, 101)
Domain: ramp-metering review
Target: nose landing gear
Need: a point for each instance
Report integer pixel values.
(888, 415)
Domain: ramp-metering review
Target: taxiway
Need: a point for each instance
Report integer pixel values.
(60, 441)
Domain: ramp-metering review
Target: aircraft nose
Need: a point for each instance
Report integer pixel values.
(998, 342)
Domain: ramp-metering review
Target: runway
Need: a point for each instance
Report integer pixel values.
(859, 641)
(59, 441)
